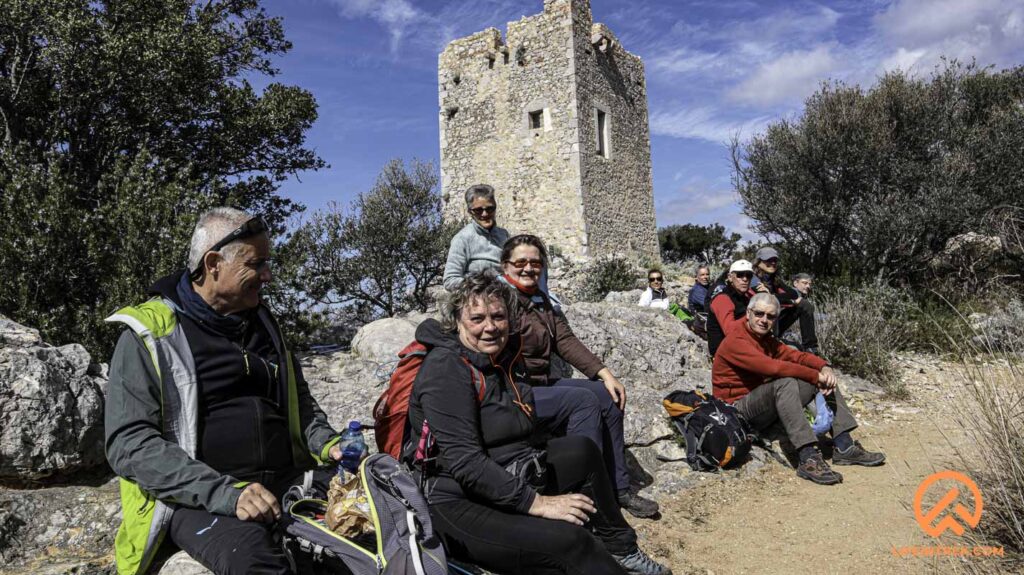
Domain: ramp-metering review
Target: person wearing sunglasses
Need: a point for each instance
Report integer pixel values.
(544, 332)
(795, 307)
(208, 418)
(477, 246)
(728, 303)
(496, 499)
(655, 294)
(770, 382)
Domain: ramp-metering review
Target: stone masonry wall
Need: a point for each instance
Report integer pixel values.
(618, 195)
(487, 89)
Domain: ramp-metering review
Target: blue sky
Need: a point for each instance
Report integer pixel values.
(714, 69)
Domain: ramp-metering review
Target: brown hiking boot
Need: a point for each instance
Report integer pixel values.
(857, 455)
(815, 469)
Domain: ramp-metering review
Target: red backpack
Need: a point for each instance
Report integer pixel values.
(392, 408)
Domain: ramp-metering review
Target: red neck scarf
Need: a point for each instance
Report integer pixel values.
(526, 290)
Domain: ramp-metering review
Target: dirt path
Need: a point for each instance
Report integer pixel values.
(774, 522)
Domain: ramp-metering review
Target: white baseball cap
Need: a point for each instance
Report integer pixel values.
(741, 266)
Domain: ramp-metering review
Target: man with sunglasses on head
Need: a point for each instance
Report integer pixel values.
(477, 246)
(770, 382)
(208, 418)
(728, 303)
(795, 306)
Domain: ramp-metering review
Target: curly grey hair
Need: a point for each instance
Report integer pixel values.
(211, 227)
(484, 285)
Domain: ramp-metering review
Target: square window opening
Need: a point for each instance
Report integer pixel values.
(537, 120)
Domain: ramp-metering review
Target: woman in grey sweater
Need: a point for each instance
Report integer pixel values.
(477, 246)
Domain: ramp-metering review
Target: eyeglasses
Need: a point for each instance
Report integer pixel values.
(483, 210)
(655, 279)
(522, 262)
(771, 261)
(759, 314)
(250, 228)
(744, 275)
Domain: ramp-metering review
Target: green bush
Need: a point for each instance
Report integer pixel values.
(608, 275)
(861, 329)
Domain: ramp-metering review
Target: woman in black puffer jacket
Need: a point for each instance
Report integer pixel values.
(497, 501)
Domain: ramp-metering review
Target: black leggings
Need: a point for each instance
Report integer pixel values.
(513, 543)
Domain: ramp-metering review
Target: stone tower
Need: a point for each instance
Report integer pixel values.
(555, 118)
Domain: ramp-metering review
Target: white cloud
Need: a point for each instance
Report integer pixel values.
(787, 79)
(705, 123)
(917, 34)
(395, 15)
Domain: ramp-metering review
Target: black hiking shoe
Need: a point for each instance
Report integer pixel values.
(815, 469)
(857, 455)
(639, 563)
(636, 505)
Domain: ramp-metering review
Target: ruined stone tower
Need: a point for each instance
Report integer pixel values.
(555, 118)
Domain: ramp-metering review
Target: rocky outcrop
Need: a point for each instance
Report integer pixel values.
(51, 406)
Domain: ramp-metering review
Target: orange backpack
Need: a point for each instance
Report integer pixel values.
(392, 408)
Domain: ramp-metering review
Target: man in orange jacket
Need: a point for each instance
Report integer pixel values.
(768, 381)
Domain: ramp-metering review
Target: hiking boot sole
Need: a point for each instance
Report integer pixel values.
(840, 461)
(832, 479)
(642, 514)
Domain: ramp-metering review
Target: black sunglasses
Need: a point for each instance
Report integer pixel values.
(655, 279)
(745, 275)
(250, 228)
(483, 210)
(759, 314)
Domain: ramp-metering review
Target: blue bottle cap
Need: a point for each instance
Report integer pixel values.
(355, 425)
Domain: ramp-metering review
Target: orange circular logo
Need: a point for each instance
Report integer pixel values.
(927, 519)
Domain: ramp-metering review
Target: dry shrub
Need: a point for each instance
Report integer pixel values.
(861, 328)
(994, 421)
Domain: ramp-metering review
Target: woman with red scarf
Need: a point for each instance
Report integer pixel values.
(544, 330)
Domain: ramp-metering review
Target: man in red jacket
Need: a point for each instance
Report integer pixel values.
(768, 381)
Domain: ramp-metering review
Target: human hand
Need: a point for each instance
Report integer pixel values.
(335, 452)
(571, 507)
(827, 380)
(257, 504)
(614, 387)
(762, 288)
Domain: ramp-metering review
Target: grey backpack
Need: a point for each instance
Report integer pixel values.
(404, 542)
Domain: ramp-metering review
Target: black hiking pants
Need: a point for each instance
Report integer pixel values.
(229, 546)
(804, 313)
(505, 542)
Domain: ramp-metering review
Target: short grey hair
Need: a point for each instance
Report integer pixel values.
(696, 272)
(484, 285)
(802, 276)
(479, 191)
(211, 227)
(762, 298)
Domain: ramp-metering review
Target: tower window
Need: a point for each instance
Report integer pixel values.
(537, 120)
(601, 118)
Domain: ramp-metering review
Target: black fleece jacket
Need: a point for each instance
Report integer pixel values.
(478, 432)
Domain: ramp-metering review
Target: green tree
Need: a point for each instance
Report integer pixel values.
(708, 244)
(120, 122)
(876, 182)
(385, 251)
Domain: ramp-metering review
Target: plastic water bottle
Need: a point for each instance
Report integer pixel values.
(353, 447)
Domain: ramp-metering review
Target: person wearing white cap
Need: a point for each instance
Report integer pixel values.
(729, 303)
(795, 307)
